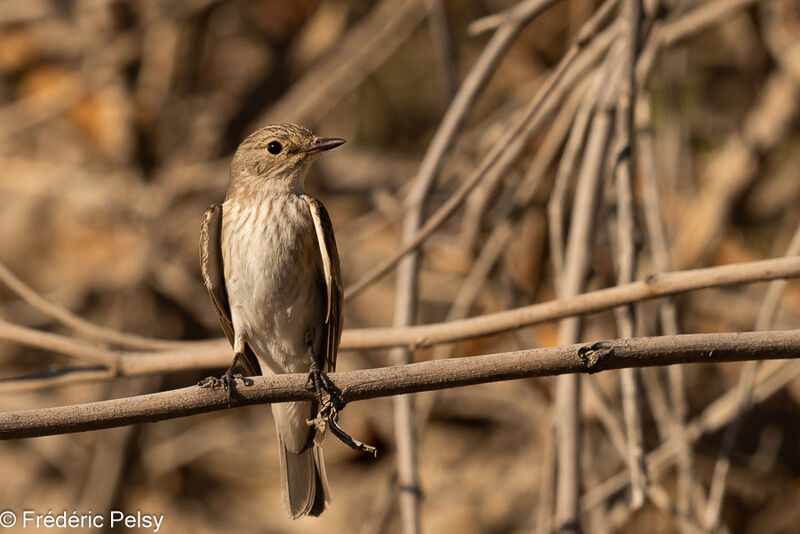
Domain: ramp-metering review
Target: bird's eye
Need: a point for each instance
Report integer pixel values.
(274, 147)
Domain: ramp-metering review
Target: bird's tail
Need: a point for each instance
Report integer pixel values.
(304, 484)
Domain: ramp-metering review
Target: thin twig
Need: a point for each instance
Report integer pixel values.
(715, 416)
(571, 67)
(407, 269)
(576, 266)
(80, 325)
(363, 50)
(623, 172)
(443, 44)
(716, 493)
(653, 286)
(668, 316)
(566, 167)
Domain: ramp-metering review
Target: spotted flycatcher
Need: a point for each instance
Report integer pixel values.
(270, 263)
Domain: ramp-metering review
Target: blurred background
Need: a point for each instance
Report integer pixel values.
(117, 123)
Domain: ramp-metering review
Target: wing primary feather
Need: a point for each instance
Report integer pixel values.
(213, 272)
(331, 271)
(324, 254)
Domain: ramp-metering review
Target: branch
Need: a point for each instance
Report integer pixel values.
(564, 76)
(217, 353)
(411, 378)
(652, 287)
(79, 324)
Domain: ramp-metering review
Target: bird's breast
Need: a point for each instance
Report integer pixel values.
(269, 254)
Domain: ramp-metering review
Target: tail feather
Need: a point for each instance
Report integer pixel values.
(322, 495)
(304, 484)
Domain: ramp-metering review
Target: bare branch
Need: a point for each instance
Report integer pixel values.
(80, 325)
(626, 253)
(411, 378)
(572, 66)
(654, 286)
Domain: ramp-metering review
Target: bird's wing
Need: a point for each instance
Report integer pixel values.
(214, 277)
(332, 274)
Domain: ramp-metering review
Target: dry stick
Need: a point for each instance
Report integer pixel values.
(442, 41)
(545, 100)
(547, 480)
(716, 493)
(363, 50)
(614, 428)
(408, 267)
(479, 199)
(576, 266)
(663, 35)
(695, 21)
(600, 408)
(566, 167)
(623, 154)
(714, 417)
(496, 20)
(59, 344)
(111, 364)
(591, 460)
(657, 400)
(699, 18)
(769, 307)
(569, 158)
(502, 233)
(80, 325)
(572, 66)
(659, 249)
(523, 194)
(216, 354)
(412, 378)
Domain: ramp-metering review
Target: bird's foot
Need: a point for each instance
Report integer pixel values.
(327, 392)
(227, 381)
(331, 403)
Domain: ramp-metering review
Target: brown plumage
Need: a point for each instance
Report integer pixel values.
(270, 263)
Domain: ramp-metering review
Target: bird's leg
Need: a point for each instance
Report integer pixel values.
(328, 412)
(228, 379)
(318, 381)
(315, 383)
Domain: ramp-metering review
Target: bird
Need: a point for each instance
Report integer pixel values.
(270, 263)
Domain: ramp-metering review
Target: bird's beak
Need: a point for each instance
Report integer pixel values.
(323, 144)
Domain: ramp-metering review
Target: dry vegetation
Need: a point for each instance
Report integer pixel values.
(117, 123)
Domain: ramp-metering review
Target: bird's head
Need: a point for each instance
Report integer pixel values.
(278, 156)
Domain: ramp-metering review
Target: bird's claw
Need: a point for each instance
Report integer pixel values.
(331, 402)
(227, 381)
